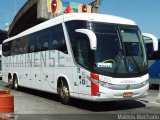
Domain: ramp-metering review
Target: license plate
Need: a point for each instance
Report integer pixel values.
(127, 94)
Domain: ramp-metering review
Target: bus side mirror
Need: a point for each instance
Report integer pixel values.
(91, 35)
(148, 38)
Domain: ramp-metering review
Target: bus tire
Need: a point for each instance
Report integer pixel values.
(15, 82)
(10, 81)
(63, 91)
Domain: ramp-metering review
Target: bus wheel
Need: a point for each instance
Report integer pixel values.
(10, 82)
(63, 91)
(15, 82)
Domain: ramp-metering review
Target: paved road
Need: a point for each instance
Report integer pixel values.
(41, 105)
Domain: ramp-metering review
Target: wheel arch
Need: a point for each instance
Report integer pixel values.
(63, 77)
(10, 75)
(15, 75)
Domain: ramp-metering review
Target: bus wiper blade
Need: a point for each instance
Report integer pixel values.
(118, 59)
(133, 59)
(116, 68)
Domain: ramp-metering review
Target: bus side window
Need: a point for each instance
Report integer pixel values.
(7, 48)
(21, 50)
(14, 50)
(46, 45)
(58, 39)
(24, 44)
(19, 46)
(54, 44)
(33, 46)
(83, 50)
(43, 40)
(32, 49)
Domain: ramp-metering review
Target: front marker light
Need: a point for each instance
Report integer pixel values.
(145, 82)
(105, 84)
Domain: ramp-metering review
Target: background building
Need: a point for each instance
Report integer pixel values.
(3, 35)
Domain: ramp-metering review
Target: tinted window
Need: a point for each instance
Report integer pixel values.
(44, 40)
(83, 48)
(47, 39)
(107, 42)
(71, 27)
(14, 47)
(33, 43)
(6, 48)
(151, 54)
(23, 45)
(58, 39)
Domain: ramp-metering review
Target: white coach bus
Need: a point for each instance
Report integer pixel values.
(82, 55)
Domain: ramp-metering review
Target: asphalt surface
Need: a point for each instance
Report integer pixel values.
(30, 104)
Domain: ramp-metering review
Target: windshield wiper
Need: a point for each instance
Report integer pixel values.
(136, 64)
(119, 60)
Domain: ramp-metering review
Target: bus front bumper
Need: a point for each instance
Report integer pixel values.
(106, 94)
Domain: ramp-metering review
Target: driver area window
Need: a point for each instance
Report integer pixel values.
(83, 50)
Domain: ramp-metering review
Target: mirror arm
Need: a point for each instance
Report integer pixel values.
(91, 35)
(154, 39)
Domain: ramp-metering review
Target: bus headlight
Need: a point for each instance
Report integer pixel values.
(94, 81)
(145, 82)
(94, 78)
(105, 84)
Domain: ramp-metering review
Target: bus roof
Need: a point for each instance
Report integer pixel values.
(93, 17)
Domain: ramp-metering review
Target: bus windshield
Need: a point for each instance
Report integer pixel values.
(120, 49)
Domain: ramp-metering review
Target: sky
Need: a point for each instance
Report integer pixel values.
(146, 13)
